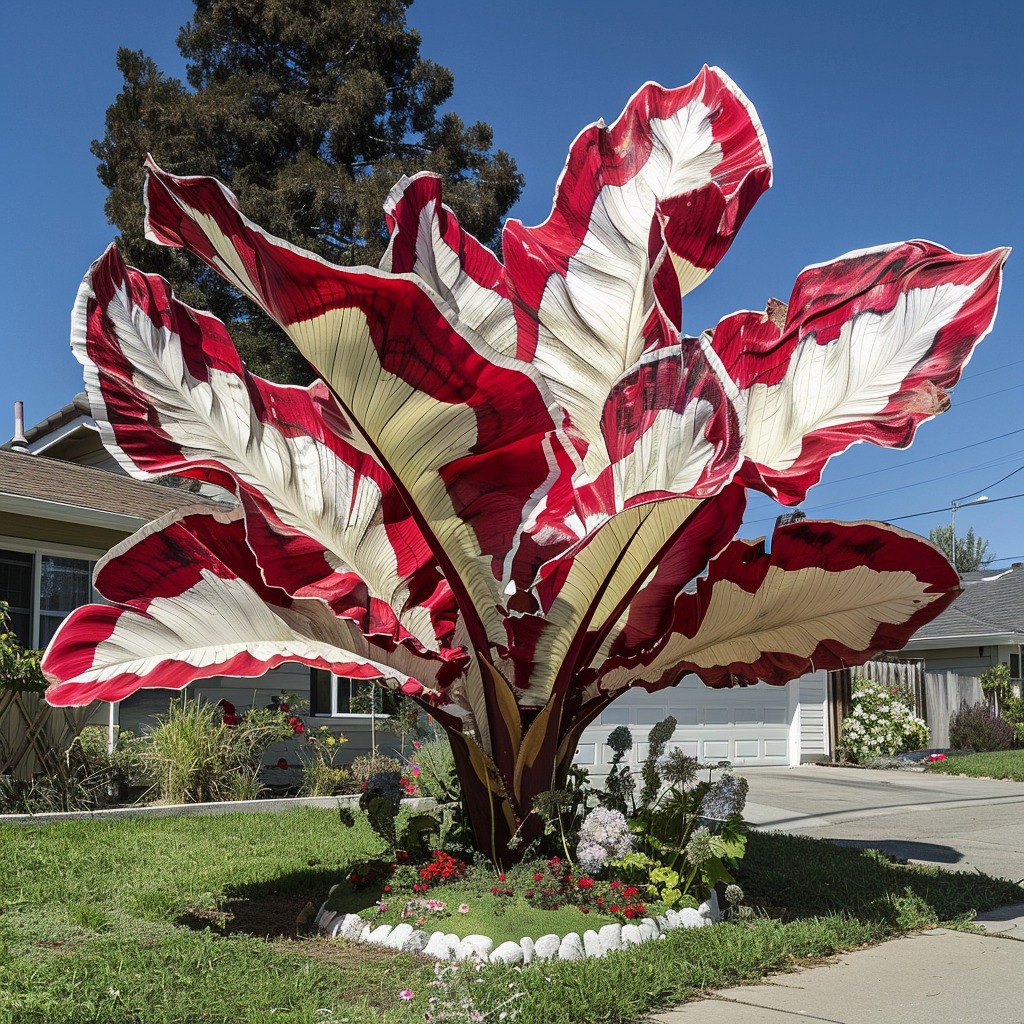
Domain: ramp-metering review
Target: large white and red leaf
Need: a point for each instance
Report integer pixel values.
(191, 605)
(171, 395)
(443, 414)
(427, 240)
(583, 591)
(634, 199)
(829, 595)
(870, 344)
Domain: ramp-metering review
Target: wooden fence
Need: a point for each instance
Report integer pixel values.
(936, 695)
(33, 735)
(945, 692)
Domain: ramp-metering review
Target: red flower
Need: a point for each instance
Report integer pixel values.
(630, 891)
(629, 911)
(282, 763)
(585, 883)
(284, 707)
(298, 728)
(616, 884)
(538, 877)
(614, 908)
(501, 878)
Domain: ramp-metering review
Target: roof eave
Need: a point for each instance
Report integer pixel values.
(42, 508)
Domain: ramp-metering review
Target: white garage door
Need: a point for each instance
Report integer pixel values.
(745, 725)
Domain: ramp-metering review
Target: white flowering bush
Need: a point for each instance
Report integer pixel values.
(881, 723)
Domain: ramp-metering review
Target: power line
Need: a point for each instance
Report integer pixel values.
(926, 458)
(949, 508)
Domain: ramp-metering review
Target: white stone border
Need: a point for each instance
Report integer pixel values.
(449, 946)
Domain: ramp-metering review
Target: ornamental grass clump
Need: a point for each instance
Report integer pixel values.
(881, 723)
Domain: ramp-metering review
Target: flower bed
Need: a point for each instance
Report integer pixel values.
(593, 942)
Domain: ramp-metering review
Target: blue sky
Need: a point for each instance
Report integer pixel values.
(886, 121)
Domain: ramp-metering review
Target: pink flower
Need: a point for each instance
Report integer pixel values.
(416, 744)
(463, 908)
(405, 994)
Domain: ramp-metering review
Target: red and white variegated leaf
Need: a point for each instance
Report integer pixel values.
(670, 427)
(444, 415)
(633, 197)
(828, 596)
(871, 343)
(585, 590)
(197, 617)
(649, 615)
(171, 395)
(426, 240)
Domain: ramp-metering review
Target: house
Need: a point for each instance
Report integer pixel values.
(983, 627)
(750, 725)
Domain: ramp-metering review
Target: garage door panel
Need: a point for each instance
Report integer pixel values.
(746, 725)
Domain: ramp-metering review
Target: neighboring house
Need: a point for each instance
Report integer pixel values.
(746, 725)
(983, 627)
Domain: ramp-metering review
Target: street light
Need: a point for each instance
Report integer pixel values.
(952, 521)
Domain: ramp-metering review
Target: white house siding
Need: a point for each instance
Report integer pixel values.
(752, 725)
(813, 716)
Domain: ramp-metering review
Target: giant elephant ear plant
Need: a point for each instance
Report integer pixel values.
(498, 494)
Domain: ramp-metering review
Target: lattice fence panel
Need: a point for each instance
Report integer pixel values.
(33, 735)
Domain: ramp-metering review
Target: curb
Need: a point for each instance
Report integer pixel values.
(272, 806)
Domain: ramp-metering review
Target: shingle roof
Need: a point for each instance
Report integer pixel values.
(35, 476)
(992, 602)
(78, 406)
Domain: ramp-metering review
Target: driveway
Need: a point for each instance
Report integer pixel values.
(958, 823)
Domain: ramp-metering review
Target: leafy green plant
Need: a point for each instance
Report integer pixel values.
(19, 666)
(381, 800)
(686, 832)
(881, 723)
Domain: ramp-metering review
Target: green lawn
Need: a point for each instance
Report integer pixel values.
(190, 919)
(996, 764)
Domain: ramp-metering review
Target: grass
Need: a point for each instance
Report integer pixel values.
(188, 920)
(996, 764)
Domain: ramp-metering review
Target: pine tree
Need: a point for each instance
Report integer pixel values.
(310, 111)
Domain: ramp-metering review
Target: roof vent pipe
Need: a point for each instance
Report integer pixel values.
(19, 442)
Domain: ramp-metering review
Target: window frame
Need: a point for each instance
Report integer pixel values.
(316, 711)
(39, 549)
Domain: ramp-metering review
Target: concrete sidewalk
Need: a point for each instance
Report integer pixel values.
(923, 978)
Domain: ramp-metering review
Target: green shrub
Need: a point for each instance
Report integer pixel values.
(19, 667)
(194, 757)
(881, 723)
(977, 727)
(321, 778)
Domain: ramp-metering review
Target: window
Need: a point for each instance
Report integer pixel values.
(340, 695)
(1015, 666)
(42, 589)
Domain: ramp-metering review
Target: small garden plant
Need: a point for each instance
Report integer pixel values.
(881, 723)
(620, 853)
